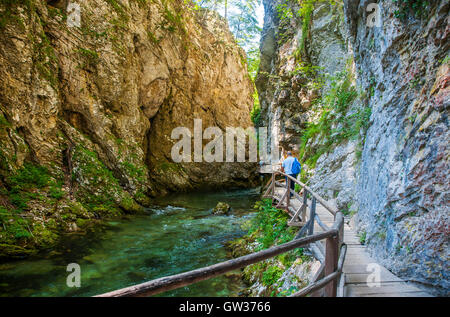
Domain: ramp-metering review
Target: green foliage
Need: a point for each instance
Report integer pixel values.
(311, 72)
(45, 59)
(25, 183)
(284, 11)
(30, 176)
(306, 10)
(271, 225)
(173, 21)
(418, 8)
(362, 237)
(243, 22)
(91, 58)
(3, 122)
(445, 60)
(334, 125)
(99, 190)
(138, 173)
(117, 6)
(255, 114)
(305, 13)
(93, 173)
(271, 275)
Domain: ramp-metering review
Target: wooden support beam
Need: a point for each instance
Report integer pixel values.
(305, 203)
(331, 262)
(327, 280)
(312, 216)
(297, 214)
(282, 199)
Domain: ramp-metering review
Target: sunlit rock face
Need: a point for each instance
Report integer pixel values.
(403, 186)
(395, 181)
(96, 103)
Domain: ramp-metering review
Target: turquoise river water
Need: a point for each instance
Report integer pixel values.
(177, 234)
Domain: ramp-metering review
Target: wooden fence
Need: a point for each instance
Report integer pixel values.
(331, 255)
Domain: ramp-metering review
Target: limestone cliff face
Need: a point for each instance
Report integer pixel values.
(373, 136)
(86, 112)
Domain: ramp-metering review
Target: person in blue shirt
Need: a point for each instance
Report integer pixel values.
(291, 166)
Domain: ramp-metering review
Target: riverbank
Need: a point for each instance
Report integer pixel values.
(178, 233)
(282, 275)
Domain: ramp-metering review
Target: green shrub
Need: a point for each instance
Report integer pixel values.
(334, 125)
(362, 237)
(271, 224)
(271, 275)
(418, 8)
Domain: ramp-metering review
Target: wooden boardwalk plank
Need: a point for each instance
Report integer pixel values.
(357, 261)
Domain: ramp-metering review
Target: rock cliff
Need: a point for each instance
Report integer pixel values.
(364, 103)
(87, 110)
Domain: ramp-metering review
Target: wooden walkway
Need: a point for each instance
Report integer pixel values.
(359, 267)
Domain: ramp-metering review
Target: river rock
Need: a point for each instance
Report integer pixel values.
(221, 209)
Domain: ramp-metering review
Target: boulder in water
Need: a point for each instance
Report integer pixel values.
(221, 209)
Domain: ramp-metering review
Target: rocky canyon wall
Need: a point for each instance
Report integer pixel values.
(87, 110)
(366, 109)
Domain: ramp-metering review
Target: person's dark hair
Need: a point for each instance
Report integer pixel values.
(289, 153)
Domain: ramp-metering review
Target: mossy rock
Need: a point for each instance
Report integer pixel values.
(15, 251)
(221, 209)
(130, 206)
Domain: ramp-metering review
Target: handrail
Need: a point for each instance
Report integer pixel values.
(324, 281)
(322, 201)
(179, 280)
(331, 257)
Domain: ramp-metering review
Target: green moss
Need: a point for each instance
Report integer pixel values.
(3, 122)
(271, 275)
(90, 57)
(99, 191)
(10, 14)
(152, 37)
(46, 235)
(45, 60)
(82, 222)
(14, 251)
(118, 8)
(136, 172)
(168, 167)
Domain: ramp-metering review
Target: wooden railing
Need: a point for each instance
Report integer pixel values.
(331, 256)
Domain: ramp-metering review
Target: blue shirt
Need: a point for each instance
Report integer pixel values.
(288, 163)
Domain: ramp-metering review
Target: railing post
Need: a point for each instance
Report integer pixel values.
(312, 215)
(305, 201)
(288, 196)
(341, 235)
(273, 184)
(331, 264)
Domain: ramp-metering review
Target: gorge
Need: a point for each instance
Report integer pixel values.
(357, 89)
